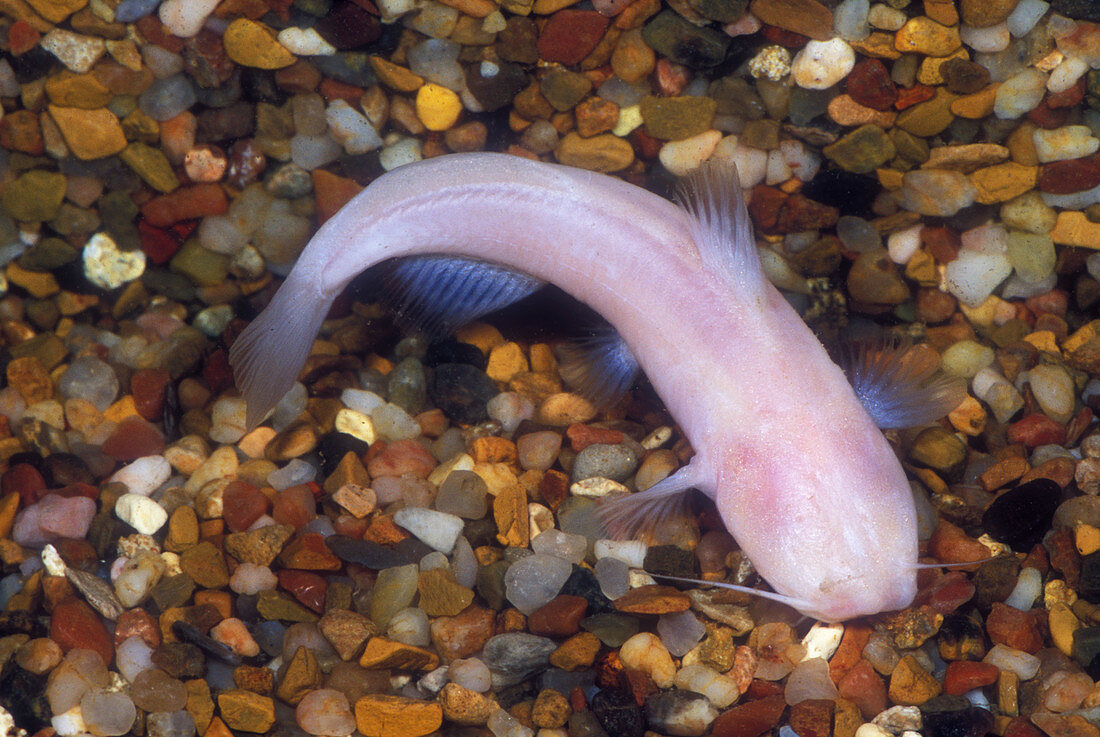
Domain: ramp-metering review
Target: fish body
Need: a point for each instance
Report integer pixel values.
(803, 479)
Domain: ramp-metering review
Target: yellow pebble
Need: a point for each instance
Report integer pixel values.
(1087, 538)
(437, 107)
(1063, 624)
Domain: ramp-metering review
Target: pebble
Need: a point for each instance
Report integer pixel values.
(141, 513)
(1020, 94)
(821, 64)
(435, 529)
(1067, 142)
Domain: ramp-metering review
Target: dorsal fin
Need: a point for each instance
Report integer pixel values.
(723, 231)
(600, 368)
(899, 383)
(439, 294)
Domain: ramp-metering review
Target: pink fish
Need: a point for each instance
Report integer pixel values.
(803, 478)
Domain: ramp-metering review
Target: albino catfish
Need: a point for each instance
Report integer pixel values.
(785, 446)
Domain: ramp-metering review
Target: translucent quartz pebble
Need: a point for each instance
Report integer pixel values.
(503, 724)
(81, 671)
(463, 493)
(437, 61)
(228, 420)
(326, 712)
(410, 626)
(437, 530)
(185, 18)
(850, 19)
(140, 512)
(312, 152)
(1020, 94)
(464, 563)
(533, 581)
(680, 631)
(1029, 586)
(631, 552)
(987, 40)
(510, 409)
(140, 574)
(129, 11)
(561, 545)
(133, 656)
(394, 423)
(810, 680)
(290, 407)
(307, 634)
(982, 264)
(222, 234)
(167, 98)
(107, 713)
(293, 473)
(613, 576)
(351, 128)
(143, 476)
(170, 724)
(360, 400)
(91, 379)
(470, 673)
(1022, 664)
(393, 591)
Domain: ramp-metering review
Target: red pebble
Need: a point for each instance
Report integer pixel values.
(1009, 626)
(765, 205)
(671, 78)
(306, 587)
(1054, 302)
(294, 506)
(137, 623)
(309, 552)
(216, 371)
(1064, 557)
(77, 489)
(74, 624)
(559, 617)
(783, 37)
(242, 504)
(152, 30)
(800, 214)
(947, 593)
(751, 719)
(949, 544)
(1022, 727)
(149, 387)
(646, 146)
(22, 37)
(910, 96)
(21, 131)
(964, 675)
(864, 687)
(133, 438)
(582, 436)
(158, 244)
(1036, 429)
(570, 35)
(77, 553)
(398, 458)
(943, 243)
(1068, 98)
(870, 85)
(25, 480)
(1074, 175)
(1046, 117)
(186, 203)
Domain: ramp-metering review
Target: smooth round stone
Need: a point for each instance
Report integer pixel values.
(720, 690)
(170, 724)
(538, 450)
(91, 379)
(435, 529)
(251, 579)
(850, 19)
(1019, 94)
(515, 654)
(155, 690)
(821, 64)
(138, 577)
(936, 192)
(294, 473)
(313, 152)
(535, 580)
(1054, 390)
(858, 234)
(966, 358)
(615, 462)
(394, 423)
(228, 420)
(981, 266)
(185, 18)
(132, 657)
(1029, 586)
(1024, 17)
(613, 577)
(107, 713)
(437, 61)
(987, 40)
(325, 712)
(510, 408)
(470, 673)
(143, 476)
(410, 626)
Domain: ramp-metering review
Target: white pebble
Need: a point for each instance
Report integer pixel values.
(471, 673)
(645, 652)
(185, 18)
(250, 579)
(1067, 142)
(821, 64)
(132, 657)
(76, 51)
(293, 473)
(535, 580)
(982, 264)
(631, 552)
(400, 152)
(351, 128)
(228, 422)
(141, 513)
(987, 40)
(438, 530)
(1029, 587)
(410, 626)
(886, 18)
(720, 690)
(902, 244)
(109, 267)
(1027, 13)
(394, 423)
(305, 42)
(1066, 74)
(1019, 94)
(1022, 664)
(510, 409)
(55, 566)
(752, 163)
(822, 640)
(143, 476)
(360, 400)
(563, 545)
(1054, 390)
(1073, 200)
(681, 157)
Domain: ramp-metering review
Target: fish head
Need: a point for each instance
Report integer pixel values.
(831, 530)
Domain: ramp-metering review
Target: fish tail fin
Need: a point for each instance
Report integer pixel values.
(630, 515)
(269, 353)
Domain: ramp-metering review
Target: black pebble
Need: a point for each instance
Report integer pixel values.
(334, 446)
(450, 350)
(461, 391)
(23, 694)
(367, 554)
(850, 193)
(1086, 649)
(1089, 589)
(970, 721)
(670, 560)
(582, 582)
(1021, 516)
(62, 469)
(618, 713)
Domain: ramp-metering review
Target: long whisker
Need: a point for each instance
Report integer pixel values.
(790, 601)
